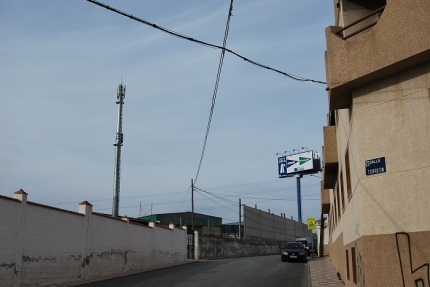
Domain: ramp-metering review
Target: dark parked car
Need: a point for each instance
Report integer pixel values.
(309, 244)
(294, 251)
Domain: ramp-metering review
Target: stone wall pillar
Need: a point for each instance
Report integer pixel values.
(196, 245)
(21, 195)
(127, 220)
(86, 209)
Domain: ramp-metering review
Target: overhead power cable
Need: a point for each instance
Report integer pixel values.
(183, 198)
(218, 76)
(176, 34)
(216, 201)
(217, 196)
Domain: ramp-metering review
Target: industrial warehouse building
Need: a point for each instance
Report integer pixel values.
(376, 154)
(203, 223)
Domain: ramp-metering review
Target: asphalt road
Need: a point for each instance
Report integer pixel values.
(257, 271)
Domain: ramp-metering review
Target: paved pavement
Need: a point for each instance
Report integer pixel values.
(80, 282)
(323, 273)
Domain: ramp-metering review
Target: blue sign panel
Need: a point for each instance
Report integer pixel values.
(282, 166)
(375, 166)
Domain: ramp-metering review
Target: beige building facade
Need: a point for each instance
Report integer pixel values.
(376, 154)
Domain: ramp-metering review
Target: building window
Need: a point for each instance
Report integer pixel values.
(350, 113)
(336, 207)
(332, 118)
(331, 223)
(337, 117)
(354, 266)
(342, 190)
(339, 195)
(347, 265)
(348, 175)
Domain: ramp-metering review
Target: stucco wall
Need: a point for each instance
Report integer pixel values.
(42, 245)
(392, 120)
(397, 42)
(397, 259)
(389, 118)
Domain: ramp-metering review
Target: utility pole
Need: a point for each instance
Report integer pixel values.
(240, 216)
(118, 144)
(299, 197)
(192, 205)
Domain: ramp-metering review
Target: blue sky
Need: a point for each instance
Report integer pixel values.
(61, 63)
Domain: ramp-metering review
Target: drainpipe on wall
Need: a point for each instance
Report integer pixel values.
(321, 245)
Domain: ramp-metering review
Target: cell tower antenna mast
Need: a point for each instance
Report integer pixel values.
(118, 144)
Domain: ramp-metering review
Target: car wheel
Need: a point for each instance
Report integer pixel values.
(283, 259)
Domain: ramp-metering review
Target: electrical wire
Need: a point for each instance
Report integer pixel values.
(244, 184)
(183, 198)
(266, 191)
(218, 76)
(217, 196)
(125, 197)
(216, 202)
(231, 193)
(257, 198)
(224, 49)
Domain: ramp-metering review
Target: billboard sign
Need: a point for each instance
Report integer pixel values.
(282, 166)
(300, 163)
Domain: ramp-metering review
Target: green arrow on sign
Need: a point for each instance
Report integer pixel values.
(302, 160)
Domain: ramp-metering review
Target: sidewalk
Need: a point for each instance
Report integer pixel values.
(323, 273)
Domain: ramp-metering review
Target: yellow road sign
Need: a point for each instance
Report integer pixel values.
(311, 224)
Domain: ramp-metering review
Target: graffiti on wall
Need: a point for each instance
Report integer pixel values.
(357, 230)
(418, 277)
(361, 282)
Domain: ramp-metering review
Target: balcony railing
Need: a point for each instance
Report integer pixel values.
(340, 32)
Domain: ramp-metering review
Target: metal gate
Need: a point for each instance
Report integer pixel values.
(190, 245)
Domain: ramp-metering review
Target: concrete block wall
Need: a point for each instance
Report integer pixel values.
(106, 246)
(261, 224)
(267, 228)
(42, 245)
(163, 249)
(140, 246)
(212, 247)
(9, 223)
(178, 243)
(51, 245)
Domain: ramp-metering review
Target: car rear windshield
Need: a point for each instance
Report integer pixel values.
(293, 245)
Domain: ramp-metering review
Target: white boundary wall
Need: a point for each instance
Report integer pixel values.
(40, 244)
